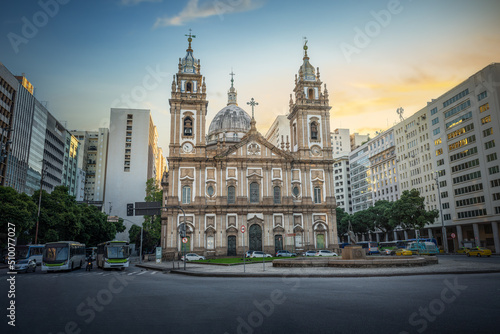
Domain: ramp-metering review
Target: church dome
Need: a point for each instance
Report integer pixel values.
(230, 120)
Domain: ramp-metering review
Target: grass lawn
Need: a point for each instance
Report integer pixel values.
(237, 260)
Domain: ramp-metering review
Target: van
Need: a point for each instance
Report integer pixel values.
(423, 248)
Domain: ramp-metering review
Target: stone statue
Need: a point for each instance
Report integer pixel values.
(350, 233)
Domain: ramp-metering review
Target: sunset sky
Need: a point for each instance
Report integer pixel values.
(375, 56)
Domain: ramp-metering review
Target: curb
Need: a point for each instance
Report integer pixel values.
(260, 275)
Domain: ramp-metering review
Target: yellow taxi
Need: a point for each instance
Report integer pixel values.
(403, 252)
(463, 250)
(479, 251)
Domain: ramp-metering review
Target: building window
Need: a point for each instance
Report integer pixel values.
(310, 94)
(314, 131)
(210, 190)
(317, 195)
(277, 195)
(188, 127)
(254, 192)
(484, 107)
(186, 195)
(482, 96)
(231, 198)
(189, 87)
(296, 191)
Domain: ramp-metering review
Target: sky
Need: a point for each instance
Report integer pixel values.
(86, 56)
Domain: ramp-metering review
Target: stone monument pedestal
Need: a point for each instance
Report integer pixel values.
(353, 252)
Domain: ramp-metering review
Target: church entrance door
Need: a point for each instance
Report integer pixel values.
(320, 241)
(278, 243)
(231, 245)
(255, 236)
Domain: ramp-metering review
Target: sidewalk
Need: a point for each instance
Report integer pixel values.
(446, 265)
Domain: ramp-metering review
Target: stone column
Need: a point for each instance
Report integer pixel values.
(475, 227)
(460, 237)
(429, 233)
(395, 235)
(406, 235)
(494, 227)
(378, 236)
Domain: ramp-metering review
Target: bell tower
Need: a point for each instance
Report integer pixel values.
(310, 113)
(188, 107)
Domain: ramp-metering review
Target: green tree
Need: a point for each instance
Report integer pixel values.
(152, 224)
(409, 211)
(342, 221)
(379, 215)
(17, 209)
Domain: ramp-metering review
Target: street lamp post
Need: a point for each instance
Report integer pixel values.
(39, 201)
(443, 228)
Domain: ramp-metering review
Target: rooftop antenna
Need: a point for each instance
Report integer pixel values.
(400, 112)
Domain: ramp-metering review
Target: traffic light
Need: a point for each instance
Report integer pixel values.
(183, 230)
(130, 209)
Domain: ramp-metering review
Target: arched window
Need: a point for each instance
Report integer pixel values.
(231, 195)
(314, 130)
(254, 192)
(188, 127)
(189, 87)
(186, 195)
(317, 195)
(277, 195)
(310, 94)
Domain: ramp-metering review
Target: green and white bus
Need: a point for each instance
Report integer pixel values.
(63, 255)
(113, 254)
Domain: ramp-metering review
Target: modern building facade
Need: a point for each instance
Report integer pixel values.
(8, 94)
(93, 161)
(341, 142)
(463, 125)
(22, 122)
(53, 154)
(130, 162)
(233, 178)
(279, 132)
(37, 148)
(70, 169)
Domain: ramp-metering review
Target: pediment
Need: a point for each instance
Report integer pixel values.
(255, 143)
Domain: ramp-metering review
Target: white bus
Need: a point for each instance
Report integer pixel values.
(63, 255)
(30, 252)
(113, 254)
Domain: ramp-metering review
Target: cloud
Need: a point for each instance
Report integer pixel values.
(136, 2)
(194, 10)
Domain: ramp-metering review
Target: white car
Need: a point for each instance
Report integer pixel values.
(325, 253)
(309, 253)
(193, 257)
(259, 254)
(25, 265)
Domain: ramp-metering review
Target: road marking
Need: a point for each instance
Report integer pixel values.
(154, 272)
(141, 273)
(131, 273)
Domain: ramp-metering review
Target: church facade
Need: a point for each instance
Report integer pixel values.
(231, 177)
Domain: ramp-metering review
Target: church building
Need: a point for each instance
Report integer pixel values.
(231, 179)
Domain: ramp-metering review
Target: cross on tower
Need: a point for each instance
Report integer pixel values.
(232, 80)
(253, 104)
(190, 37)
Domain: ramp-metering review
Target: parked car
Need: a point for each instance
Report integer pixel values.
(387, 251)
(325, 253)
(309, 253)
(248, 253)
(259, 254)
(25, 265)
(193, 257)
(285, 253)
(479, 251)
(403, 252)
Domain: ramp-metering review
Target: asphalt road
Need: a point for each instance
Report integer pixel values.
(139, 301)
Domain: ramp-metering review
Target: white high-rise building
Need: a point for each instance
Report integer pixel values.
(131, 162)
(463, 126)
(279, 132)
(341, 142)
